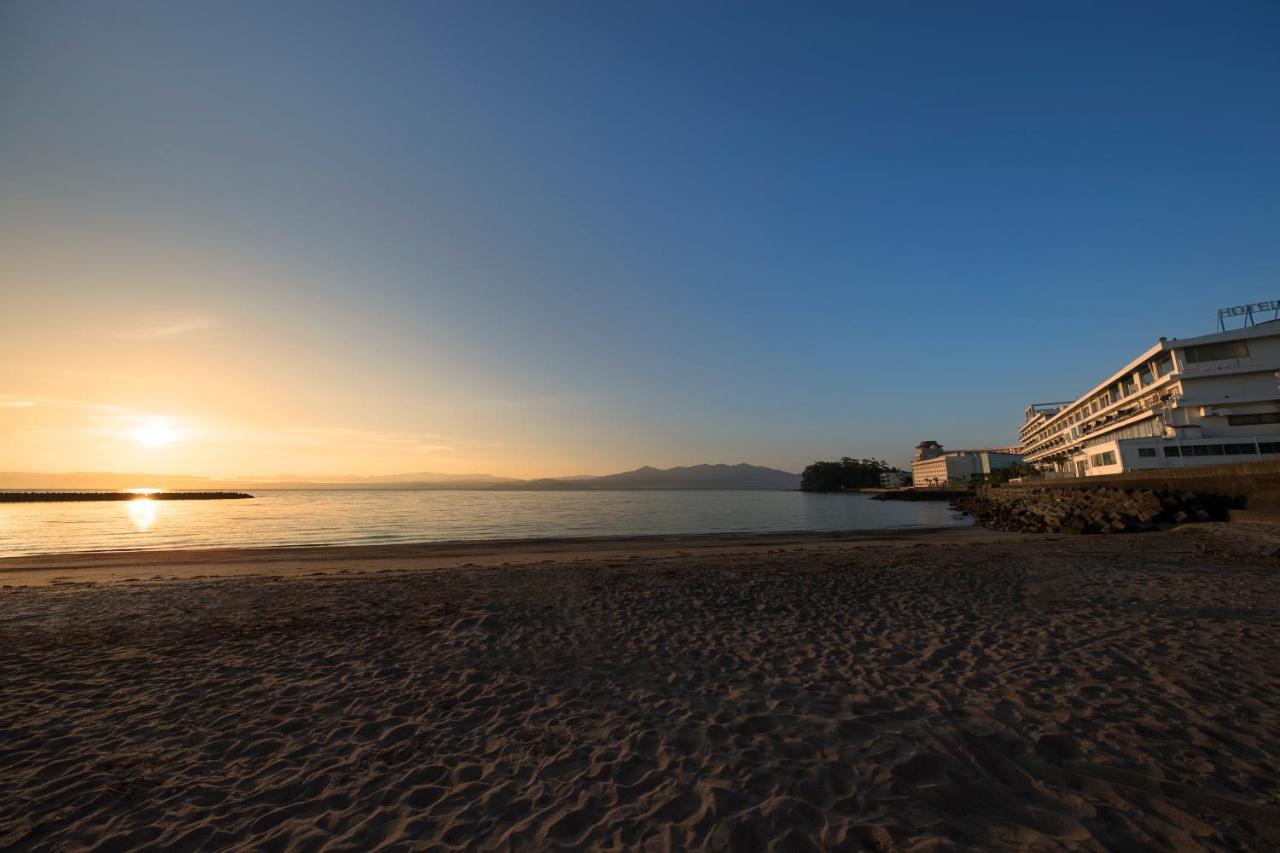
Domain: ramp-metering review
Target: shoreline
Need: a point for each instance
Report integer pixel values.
(294, 560)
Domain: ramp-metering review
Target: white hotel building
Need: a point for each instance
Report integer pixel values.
(934, 467)
(1211, 399)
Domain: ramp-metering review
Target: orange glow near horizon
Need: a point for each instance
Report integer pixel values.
(156, 427)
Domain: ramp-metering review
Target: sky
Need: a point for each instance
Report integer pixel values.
(538, 239)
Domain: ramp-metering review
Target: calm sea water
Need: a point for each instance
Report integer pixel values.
(306, 517)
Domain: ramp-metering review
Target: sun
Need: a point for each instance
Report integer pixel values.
(153, 432)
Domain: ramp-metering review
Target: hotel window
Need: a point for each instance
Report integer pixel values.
(1147, 452)
(1146, 378)
(1269, 447)
(1251, 420)
(1204, 450)
(1108, 458)
(1173, 451)
(1218, 352)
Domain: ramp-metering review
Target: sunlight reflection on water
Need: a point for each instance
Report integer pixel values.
(142, 512)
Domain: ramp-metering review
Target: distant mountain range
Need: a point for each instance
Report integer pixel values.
(740, 476)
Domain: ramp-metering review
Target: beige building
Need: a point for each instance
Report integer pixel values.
(935, 467)
(1209, 399)
(893, 479)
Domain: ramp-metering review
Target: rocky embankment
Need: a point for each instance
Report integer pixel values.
(1093, 510)
(953, 495)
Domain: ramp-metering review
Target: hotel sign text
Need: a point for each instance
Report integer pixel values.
(1245, 310)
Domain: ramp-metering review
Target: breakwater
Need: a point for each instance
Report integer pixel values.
(1133, 502)
(55, 497)
(1096, 510)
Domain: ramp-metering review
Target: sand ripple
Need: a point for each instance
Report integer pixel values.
(1098, 693)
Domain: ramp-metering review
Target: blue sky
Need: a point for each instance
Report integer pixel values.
(565, 238)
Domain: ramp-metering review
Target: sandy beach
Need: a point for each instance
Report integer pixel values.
(932, 690)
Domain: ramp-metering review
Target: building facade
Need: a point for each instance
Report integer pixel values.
(935, 467)
(1209, 399)
(893, 479)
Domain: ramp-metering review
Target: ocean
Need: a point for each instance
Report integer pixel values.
(357, 517)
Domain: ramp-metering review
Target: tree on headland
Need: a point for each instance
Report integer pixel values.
(846, 475)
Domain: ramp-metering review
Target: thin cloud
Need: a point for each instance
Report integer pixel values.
(332, 436)
(336, 437)
(545, 401)
(13, 401)
(188, 329)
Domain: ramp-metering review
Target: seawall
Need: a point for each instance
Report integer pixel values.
(952, 495)
(1134, 501)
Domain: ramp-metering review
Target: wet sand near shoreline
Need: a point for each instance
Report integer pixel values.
(952, 689)
(286, 561)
